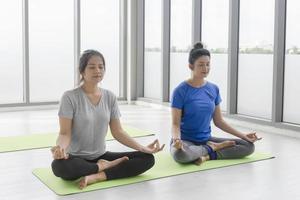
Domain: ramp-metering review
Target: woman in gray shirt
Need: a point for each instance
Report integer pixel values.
(84, 116)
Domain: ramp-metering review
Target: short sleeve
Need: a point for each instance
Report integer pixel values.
(66, 108)
(218, 98)
(115, 112)
(177, 98)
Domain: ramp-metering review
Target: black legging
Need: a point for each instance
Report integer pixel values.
(75, 167)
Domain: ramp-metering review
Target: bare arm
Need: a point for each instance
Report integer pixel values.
(176, 118)
(63, 139)
(176, 135)
(119, 134)
(64, 136)
(223, 125)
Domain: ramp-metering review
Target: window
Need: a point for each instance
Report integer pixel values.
(100, 28)
(180, 44)
(215, 13)
(291, 106)
(152, 51)
(51, 49)
(255, 73)
(11, 67)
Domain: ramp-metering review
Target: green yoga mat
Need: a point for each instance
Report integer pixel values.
(36, 141)
(164, 166)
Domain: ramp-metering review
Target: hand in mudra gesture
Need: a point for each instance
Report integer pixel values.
(59, 153)
(153, 147)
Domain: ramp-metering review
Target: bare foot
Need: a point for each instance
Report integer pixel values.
(178, 144)
(100, 176)
(222, 145)
(105, 164)
(201, 160)
(90, 179)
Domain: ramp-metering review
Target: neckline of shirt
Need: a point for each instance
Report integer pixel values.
(89, 101)
(203, 85)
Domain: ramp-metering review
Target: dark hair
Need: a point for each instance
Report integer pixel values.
(197, 52)
(85, 57)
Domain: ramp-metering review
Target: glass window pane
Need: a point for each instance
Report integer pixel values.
(11, 67)
(180, 44)
(51, 48)
(152, 53)
(291, 106)
(100, 21)
(215, 13)
(255, 74)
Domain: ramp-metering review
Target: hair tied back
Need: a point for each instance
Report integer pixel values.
(198, 45)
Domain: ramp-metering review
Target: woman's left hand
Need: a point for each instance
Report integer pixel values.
(251, 137)
(154, 147)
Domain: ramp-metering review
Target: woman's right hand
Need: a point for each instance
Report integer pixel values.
(59, 153)
(177, 143)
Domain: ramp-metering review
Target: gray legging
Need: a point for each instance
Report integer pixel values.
(193, 151)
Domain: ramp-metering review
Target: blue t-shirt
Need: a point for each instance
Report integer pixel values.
(198, 106)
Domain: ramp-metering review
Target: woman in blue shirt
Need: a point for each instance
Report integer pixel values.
(195, 102)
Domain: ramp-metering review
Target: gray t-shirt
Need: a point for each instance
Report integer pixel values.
(89, 122)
